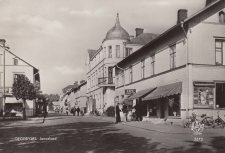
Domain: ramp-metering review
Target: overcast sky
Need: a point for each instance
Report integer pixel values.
(54, 35)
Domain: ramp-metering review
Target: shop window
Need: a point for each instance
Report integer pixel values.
(219, 51)
(128, 51)
(174, 106)
(173, 56)
(142, 69)
(110, 51)
(152, 108)
(221, 17)
(131, 74)
(203, 97)
(117, 50)
(220, 95)
(152, 70)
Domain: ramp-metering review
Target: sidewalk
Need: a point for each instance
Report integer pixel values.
(161, 128)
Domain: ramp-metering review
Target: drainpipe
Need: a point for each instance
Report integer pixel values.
(187, 70)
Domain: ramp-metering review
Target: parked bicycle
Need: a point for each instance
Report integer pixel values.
(207, 121)
(219, 122)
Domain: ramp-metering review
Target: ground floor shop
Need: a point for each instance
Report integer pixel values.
(173, 96)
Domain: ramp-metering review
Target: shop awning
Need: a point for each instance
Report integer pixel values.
(13, 100)
(164, 91)
(140, 94)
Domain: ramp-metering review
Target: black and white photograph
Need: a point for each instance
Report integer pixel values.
(112, 76)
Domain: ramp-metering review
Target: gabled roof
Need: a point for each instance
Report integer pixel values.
(92, 52)
(143, 38)
(129, 58)
(68, 87)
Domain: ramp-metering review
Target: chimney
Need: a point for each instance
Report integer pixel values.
(139, 31)
(209, 2)
(2, 42)
(131, 37)
(181, 15)
(76, 83)
(82, 81)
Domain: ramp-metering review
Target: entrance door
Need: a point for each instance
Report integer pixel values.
(162, 111)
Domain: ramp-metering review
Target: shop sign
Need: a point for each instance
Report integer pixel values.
(130, 91)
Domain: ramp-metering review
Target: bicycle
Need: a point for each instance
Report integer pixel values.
(219, 122)
(190, 121)
(207, 121)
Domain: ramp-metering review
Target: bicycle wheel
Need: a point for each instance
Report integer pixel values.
(218, 124)
(187, 124)
(208, 123)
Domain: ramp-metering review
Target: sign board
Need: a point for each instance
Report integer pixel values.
(130, 91)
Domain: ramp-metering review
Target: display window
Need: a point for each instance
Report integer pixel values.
(203, 97)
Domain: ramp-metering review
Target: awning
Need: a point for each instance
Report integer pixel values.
(13, 100)
(164, 91)
(140, 94)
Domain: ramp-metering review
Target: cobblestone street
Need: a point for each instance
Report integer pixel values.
(98, 134)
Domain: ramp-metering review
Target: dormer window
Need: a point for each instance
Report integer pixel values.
(15, 61)
(221, 17)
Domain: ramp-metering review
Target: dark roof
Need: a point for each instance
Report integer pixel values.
(143, 38)
(92, 52)
(68, 87)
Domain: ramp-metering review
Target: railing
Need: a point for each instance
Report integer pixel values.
(106, 81)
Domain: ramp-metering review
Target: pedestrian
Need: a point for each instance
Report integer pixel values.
(138, 112)
(74, 110)
(44, 113)
(118, 113)
(67, 111)
(78, 111)
(124, 109)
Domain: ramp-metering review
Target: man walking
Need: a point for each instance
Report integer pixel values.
(124, 112)
(44, 113)
(117, 113)
(78, 111)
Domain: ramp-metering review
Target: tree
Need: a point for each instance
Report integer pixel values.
(23, 89)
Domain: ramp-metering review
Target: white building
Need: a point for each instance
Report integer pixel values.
(13, 66)
(182, 70)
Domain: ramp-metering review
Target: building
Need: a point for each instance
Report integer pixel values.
(100, 75)
(74, 96)
(14, 66)
(180, 71)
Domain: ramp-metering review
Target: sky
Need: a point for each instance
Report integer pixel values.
(54, 35)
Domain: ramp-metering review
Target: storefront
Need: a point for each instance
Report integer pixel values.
(164, 101)
(13, 107)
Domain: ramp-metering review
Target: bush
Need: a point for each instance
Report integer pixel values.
(110, 111)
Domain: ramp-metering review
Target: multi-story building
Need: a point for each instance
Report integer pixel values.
(100, 75)
(182, 70)
(74, 96)
(15, 65)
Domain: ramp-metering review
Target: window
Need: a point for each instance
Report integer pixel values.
(221, 17)
(172, 56)
(15, 61)
(220, 95)
(104, 52)
(110, 51)
(219, 51)
(117, 83)
(128, 51)
(142, 69)
(16, 74)
(131, 74)
(117, 50)
(122, 79)
(152, 71)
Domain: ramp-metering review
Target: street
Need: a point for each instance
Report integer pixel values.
(62, 134)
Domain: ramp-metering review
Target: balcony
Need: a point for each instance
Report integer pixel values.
(106, 81)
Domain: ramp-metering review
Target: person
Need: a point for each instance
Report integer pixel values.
(44, 115)
(138, 112)
(118, 113)
(67, 111)
(124, 109)
(74, 110)
(78, 111)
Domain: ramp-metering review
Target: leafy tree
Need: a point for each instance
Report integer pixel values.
(23, 89)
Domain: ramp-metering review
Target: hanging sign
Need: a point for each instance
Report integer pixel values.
(130, 91)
